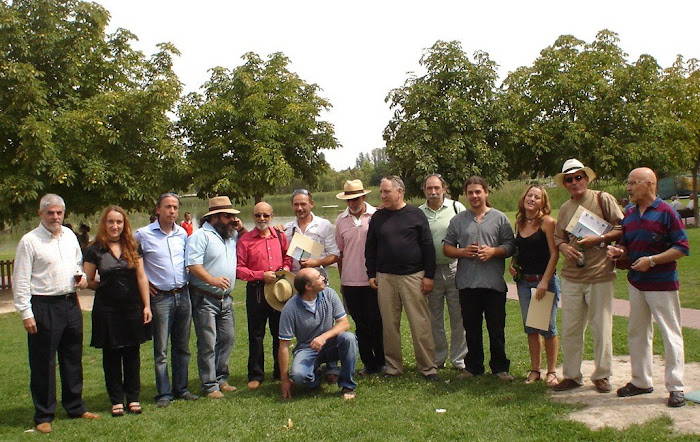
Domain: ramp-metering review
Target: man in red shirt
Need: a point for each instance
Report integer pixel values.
(187, 223)
(261, 252)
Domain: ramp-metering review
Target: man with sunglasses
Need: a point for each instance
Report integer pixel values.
(163, 244)
(211, 258)
(586, 291)
(261, 252)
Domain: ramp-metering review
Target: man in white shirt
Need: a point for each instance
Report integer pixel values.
(47, 273)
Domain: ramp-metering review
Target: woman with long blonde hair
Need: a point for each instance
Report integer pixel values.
(535, 268)
(122, 308)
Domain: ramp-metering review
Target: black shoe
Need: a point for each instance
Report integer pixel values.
(163, 403)
(188, 397)
(632, 390)
(431, 377)
(676, 399)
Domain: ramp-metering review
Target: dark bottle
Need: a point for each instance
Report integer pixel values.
(581, 262)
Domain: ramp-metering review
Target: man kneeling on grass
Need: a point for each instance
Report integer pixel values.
(310, 315)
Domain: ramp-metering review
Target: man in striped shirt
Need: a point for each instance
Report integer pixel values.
(653, 239)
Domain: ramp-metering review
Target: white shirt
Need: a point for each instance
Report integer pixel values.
(44, 266)
(320, 230)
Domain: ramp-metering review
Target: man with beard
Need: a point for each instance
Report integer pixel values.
(361, 299)
(440, 210)
(261, 252)
(211, 259)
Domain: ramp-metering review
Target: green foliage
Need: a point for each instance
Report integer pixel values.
(445, 120)
(255, 128)
(83, 114)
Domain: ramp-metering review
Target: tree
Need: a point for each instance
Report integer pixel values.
(681, 87)
(445, 121)
(255, 128)
(83, 114)
(585, 101)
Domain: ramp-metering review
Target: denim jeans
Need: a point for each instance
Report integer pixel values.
(213, 323)
(306, 362)
(524, 295)
(172, 315)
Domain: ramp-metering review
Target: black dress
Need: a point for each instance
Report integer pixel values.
(117, 313)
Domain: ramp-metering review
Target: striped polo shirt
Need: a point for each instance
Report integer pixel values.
(657, 230)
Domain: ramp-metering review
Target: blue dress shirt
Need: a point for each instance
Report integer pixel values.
(206, 247)
(163, 255)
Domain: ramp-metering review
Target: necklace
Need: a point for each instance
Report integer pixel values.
(530, 220)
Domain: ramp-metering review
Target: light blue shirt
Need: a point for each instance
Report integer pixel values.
(163, 255)
(206, 247)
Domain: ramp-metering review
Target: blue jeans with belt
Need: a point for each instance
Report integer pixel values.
(172, 316)
(213, 323)
(341, 348)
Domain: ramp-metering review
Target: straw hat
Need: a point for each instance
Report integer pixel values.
(572, 165)
(279, 292)
(221, 204)
(352, 189)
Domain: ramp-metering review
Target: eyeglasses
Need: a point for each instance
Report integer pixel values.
(570, 179)
(262, 215)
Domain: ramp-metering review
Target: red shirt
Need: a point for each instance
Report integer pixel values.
(257, 255)
(187, 226)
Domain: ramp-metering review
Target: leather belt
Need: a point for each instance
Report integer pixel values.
(173, 291)
(202, 292)
(55, 298)
(532, 278)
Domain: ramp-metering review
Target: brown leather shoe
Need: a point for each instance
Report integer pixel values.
(602, 385)
(332, 378)
(253, 385)
(227, 388)
(566, 385)
(88, 415)
(216, 394)
(44, 427)
(676, 399)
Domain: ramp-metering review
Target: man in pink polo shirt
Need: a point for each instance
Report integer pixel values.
(361, 299)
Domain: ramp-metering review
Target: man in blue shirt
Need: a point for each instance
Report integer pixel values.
(163, 246)
(315, 315)
(211, 258)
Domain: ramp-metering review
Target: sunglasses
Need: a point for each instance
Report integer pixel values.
(570, 179)
(228, 215)
(262, 215)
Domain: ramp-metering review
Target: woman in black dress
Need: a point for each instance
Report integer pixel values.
(122, 307)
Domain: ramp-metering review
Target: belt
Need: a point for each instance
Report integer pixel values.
(56, 298)
(173, 291)
(532, 278)
(202, 292)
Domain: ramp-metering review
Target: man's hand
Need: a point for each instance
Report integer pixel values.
(152, 290)
(426, 285)
(313, 263)
(269, 277)
(571, 253)
(221, 282)
(82, 284)
(286, 385)
(279, 228)
(615, 252)
(373, 283)
(512, 270)
(589, 241)
(471, 250)
(30, 326)
(485, 253)
(641, 265)
(318, 343)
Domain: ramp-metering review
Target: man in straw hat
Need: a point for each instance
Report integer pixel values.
(211, 259)
(315, 315)
(261, 252)
(587, 278)
(361, 299)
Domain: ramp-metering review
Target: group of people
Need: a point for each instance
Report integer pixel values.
(160, 279)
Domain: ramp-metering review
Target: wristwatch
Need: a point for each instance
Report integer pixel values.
(602, 241)
(651, 261)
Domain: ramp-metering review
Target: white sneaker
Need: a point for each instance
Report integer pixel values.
(504, 376)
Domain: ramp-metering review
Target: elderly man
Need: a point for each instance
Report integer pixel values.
(317, 228)
(163, 246)
(351, 234)
(654, 239)
(481, 238)
(587, 278)
(261, 252)
(400, 260)
(47, 274)
(315, 315)
(211, 258)
(440, 210)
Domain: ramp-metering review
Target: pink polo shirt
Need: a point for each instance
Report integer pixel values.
(351, 235)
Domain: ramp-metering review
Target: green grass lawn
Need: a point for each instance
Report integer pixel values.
(394, 409)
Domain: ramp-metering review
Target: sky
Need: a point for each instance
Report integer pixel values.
(358, 51)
